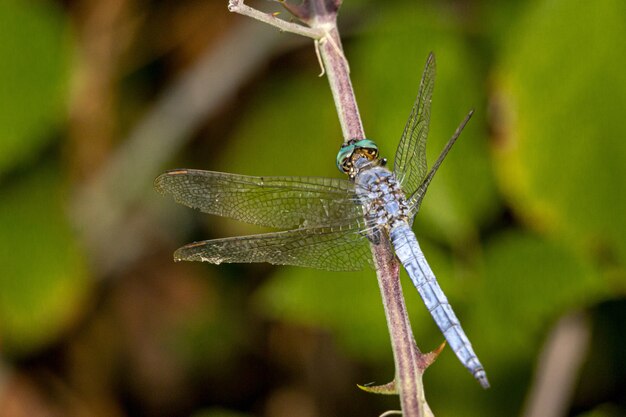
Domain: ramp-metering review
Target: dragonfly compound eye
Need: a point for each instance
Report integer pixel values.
(347, 154)
(344, 158)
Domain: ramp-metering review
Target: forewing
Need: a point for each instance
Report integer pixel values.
(410, 164)
(281, 202)
(338, 248)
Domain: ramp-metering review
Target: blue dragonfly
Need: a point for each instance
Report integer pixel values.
(330, 222)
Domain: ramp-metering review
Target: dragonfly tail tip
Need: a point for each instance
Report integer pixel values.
(481, 376)
(482, 380)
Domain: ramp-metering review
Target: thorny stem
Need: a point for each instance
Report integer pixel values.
(406, 354)
(321, 18)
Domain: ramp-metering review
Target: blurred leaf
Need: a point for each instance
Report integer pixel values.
(529, 283)
(387, 64)
(210, 339)
(562, 94)
(495, 20)
(346, 302)
(44, 283)
(34, 55)
(291, 128)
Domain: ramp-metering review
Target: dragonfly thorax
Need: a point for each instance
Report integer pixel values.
(384, 203)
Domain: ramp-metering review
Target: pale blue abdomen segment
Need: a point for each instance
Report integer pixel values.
(409, 252)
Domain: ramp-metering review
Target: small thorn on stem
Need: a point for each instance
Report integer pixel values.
(391, 413)
(386, 389)
(319, 57)
(429, 358)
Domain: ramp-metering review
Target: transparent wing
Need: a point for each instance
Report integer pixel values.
(281, 202)
(340, 248)
(415, 200)
(410, 163)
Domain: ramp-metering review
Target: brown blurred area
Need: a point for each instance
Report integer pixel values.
(115, 40)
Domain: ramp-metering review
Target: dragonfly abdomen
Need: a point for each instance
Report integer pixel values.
(408, 251)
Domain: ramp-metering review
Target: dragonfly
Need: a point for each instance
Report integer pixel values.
(329, 223)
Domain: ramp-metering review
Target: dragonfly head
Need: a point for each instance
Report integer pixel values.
(351, 151)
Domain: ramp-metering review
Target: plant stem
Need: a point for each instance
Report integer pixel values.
(321, 17)
(338, 73)
(408, 376)
(238, 6)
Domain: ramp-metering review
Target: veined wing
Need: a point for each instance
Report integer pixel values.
(415, 200)
(410, 164)
(333, 248)
(281, 202)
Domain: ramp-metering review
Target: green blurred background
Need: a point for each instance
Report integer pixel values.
(525, 224)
